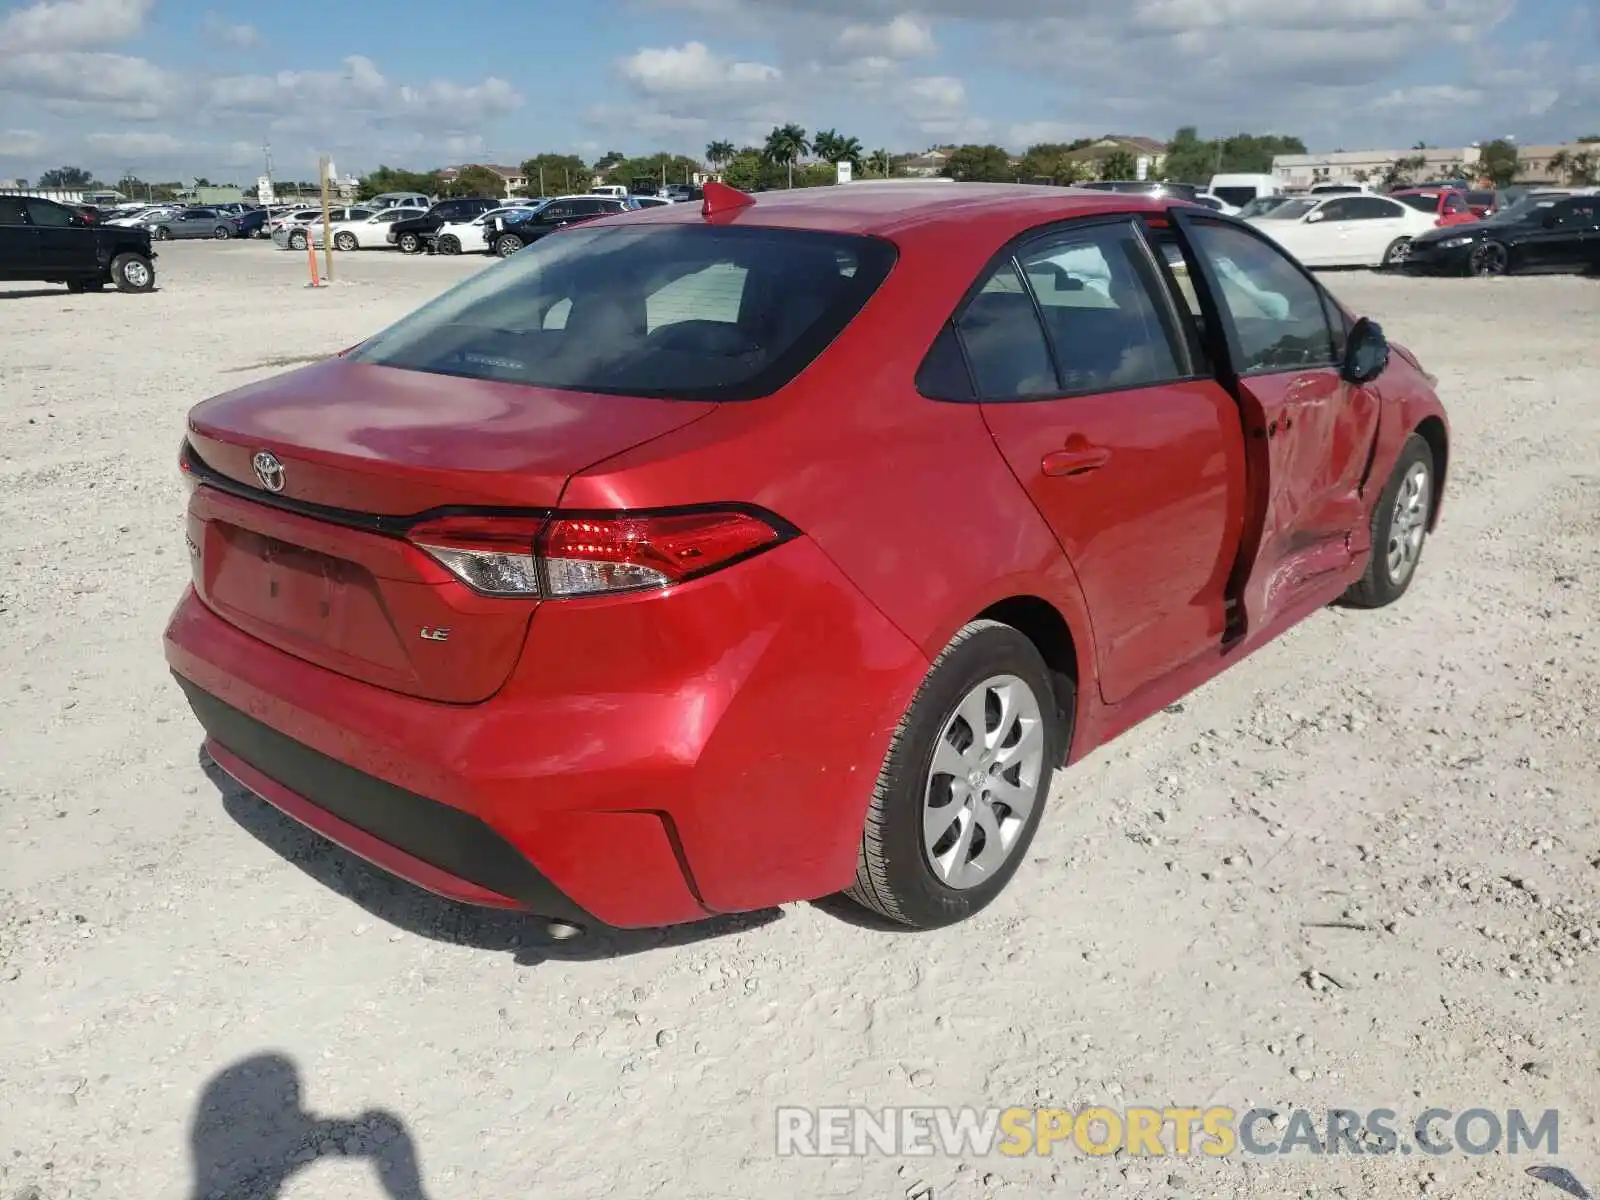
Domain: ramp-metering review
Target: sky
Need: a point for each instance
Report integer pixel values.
(177, 88)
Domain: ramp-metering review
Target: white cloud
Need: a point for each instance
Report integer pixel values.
(21, 143)
(136, 145)
(228, 33)
(693, 70)
(77, 81)
(906, 36)
(71, 24)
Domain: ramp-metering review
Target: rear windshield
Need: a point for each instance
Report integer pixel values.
(1419, 201)
(1236, 196)
(682, 312)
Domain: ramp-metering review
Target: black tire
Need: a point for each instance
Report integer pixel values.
(162, 233)
(1489, 259)
(894, 877)
(132, 272)
(222, 233)
(297, 241)
(1396, 253)
(346, 242)
(1379, 586)
(448, 244)
(409, 243)
(507, 244)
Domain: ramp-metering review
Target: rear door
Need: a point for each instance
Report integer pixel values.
(19, 242)
(1308, 433)
(1095, 393)
(64, 248)
(1557, 244)
(1368, 224)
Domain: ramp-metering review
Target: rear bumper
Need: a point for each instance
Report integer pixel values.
(651, 760)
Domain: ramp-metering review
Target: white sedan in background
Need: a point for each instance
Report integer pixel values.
(469, 237)
(360, 228)
(1345, 230)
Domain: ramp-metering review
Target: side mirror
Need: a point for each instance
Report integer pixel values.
(1366, 354)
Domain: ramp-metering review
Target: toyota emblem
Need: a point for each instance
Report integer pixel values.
(268, 470)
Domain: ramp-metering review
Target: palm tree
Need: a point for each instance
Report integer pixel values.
(881, 161)
(718, 153)
(1561, 165)
(785, 144)
(848, 149)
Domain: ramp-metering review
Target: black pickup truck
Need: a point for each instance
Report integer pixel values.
(47, 242)
(415, 234)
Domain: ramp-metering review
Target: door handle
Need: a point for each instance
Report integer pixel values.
(1077, 458)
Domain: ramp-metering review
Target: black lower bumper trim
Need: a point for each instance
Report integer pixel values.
(436, 833)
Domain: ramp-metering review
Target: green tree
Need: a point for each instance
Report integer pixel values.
(608, 160)
(1189, 159)
(832, 147)
(658, 168)
(881, 163)
(1048, 162)
(786, 145)
(743, 171)
(556, 174)
(395, 179)
(1119, 164)
(718, 153)
(817, 174)
(979, 164)
(1498, 160)
(1403, 171)
(66, 177)
(201, 181)
(476, 180)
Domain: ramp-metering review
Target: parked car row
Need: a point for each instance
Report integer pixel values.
(1420, 231)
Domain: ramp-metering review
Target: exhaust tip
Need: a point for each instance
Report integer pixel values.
(563, 931)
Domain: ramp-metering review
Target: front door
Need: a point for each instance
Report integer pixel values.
(19, 242)
(1129, 448)
(1309, 434)
(65, 247)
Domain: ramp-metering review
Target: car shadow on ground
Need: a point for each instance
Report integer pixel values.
(414, 910)
(36, 293)
(251, 1135)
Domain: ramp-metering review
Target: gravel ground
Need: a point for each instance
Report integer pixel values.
(1360, 870)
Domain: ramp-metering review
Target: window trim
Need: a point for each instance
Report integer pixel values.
(1213, 289)
(1197, 371)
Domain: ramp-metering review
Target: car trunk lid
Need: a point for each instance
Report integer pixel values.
(309, 481)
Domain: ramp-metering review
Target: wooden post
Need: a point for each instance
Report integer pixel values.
(327, 222)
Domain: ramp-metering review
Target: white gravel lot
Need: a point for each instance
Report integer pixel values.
(198, 999)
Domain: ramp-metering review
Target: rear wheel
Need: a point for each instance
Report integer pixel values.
(132, 273)
(1398, 252)
(1399, 529)
(345, 241)
(964, 784)
(447, 243)
(507, 244)
(409, 243)
(222, 233)
(297, 241)
(162, 233)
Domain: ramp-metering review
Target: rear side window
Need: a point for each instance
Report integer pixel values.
(10, 211)
(43, 212)
(690, 312)
(1004, 341)
(1098, 294)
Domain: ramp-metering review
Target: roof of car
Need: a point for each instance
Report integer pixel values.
(880, 208)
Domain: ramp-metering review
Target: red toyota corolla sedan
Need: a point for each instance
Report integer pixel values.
(715, 556)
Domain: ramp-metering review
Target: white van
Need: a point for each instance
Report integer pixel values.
(615, 190)
(1239, 190)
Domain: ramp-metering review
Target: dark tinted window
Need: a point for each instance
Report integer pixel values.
(943, 374)
(1481, 199)
(1236, 196)
(1095, 288)
(1427, 204)
(1004, 341)
(1364, 208)
(10, 211)
(1453, 203)
(1275, 313)
(43, 212)
(689, 312)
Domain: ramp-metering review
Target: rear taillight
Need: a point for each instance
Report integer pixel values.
(564, 556)
(186, 469)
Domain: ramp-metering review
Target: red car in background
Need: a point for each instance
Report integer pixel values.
(708, 557)
(1448, 204)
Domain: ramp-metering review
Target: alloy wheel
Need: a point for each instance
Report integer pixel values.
(1408, 523)
(982, 782)
(1488, 259)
